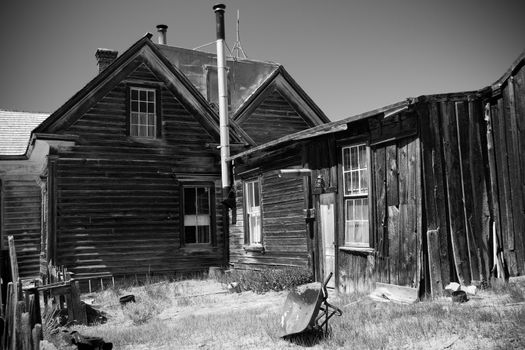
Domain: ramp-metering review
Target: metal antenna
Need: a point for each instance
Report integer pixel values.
(237, 50)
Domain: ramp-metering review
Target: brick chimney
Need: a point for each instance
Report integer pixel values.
(104, 58)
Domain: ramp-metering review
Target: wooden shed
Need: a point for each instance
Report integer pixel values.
(130, 178)
(418, 194)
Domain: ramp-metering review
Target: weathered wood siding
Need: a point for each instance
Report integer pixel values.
(395, 221)
(272, 119)
(20, 217)
(284, 229)
(456, 192)
(505, 113)
(118, 198)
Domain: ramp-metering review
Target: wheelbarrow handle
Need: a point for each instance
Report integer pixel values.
(327, 279)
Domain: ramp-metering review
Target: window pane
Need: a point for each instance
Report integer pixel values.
(363, 161)
(142, 95)
(355, 182)
(363, 178)
(134, 94)
(133, 130)
(249, 195)
(190, 235)
(151, 107)
(203, 234)
(151, 131)
(142, 106)
(151, 97)
(189, 201)
(151, 119)
(134, 106)
(256, 193)
(203, 206)
(353, 158)
(142, 130)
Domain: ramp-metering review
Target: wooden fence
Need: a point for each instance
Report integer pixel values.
(21, 326)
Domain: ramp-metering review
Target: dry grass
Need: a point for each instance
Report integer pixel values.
(250, 321)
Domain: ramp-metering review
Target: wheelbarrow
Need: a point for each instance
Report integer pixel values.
(306, 309)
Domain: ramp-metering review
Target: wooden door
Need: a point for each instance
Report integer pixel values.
(327, 233)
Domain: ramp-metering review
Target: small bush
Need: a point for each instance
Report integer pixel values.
(263, 281)
(141, 312)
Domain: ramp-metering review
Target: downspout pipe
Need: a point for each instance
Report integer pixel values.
(223, 99)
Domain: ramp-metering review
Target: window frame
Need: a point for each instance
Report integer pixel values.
(158, 107)
(355, 196)
(247, 232)
(212, 208)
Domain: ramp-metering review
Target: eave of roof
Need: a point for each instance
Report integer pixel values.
(15, 132)
(332, 127)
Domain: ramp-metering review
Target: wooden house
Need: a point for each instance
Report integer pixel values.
(130, 179)
(418, 194)
(20, 186)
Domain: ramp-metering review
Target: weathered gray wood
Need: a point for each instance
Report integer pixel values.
(454, 185)
(500, 148)
(12, 258)
(380, 227)
(465, 167)
(79, 313)
(513, 147)
(392, 195)
(25, 333)
(36, 336)
(393, 243)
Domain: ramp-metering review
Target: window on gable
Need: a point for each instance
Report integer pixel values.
(253, 225)
(143, 112)
(212, 82)
(355, 181)
(197, 214)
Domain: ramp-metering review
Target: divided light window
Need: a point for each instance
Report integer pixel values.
(253, 212)
(143, 112)
(197, 214)
(356, 189)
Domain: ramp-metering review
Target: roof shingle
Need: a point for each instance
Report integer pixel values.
(15, 130)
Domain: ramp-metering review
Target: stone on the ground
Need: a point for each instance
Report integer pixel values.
(469, 289)
(453, 286)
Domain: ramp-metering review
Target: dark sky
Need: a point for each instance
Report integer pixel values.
(349, 56)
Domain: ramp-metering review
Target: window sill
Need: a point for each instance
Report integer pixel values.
(363, 250)
(254, 248)
(197, 248)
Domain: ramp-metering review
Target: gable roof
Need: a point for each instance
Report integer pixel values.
(245, 76)
(15, 130)
(332, 127)
(142, 52)
(185, 71)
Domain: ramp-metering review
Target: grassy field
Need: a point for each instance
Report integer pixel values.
(200, 314)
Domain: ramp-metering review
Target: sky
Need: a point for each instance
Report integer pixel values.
(349, 56)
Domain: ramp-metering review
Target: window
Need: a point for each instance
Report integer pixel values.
(197, 213)
(143, 112)
(253, 213)
(355, 182)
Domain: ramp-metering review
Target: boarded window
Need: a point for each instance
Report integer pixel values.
(253, 212)
(355, 181)
(197, 215)
(143, 112)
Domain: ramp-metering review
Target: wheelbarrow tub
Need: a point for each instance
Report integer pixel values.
(301, 309)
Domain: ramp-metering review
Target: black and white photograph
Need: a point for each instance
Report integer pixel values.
(245, 174)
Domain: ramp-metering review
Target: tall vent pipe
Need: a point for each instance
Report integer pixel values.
(162, 29)
(223, 98)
